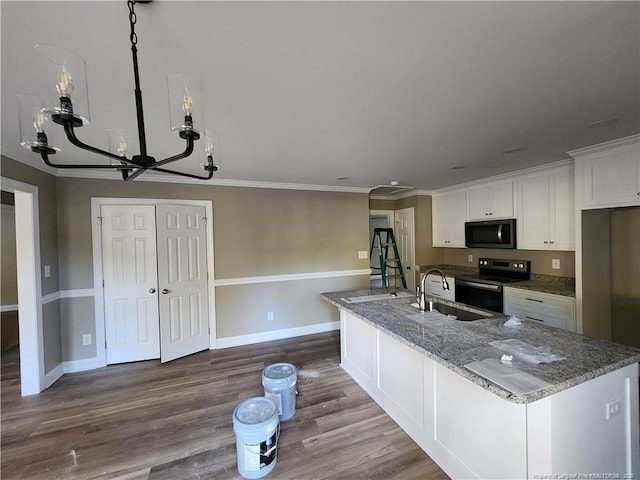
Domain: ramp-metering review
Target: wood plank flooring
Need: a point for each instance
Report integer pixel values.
(146, 420)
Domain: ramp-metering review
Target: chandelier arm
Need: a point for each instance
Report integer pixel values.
(190, 175)
(45, 159)
(128, 177)
(187, 151)
(71, 136)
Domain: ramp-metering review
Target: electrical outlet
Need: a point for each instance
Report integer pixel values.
(469, 258)
(86, 339)
(613, 408)
(362, 254)
(555, 263)
(47, 271)
(269, 316)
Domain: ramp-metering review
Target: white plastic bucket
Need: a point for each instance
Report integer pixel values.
(255, 422)
(279, 382)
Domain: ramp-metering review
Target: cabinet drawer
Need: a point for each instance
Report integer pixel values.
(555, 310)
(537, 316)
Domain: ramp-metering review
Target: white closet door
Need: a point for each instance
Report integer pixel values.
(130, 282)
(182, 280)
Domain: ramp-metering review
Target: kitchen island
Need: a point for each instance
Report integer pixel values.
(574, 416)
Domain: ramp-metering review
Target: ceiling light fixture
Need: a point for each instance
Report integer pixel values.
(69, 70)
(603, 123)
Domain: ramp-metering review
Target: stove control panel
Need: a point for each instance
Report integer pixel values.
(498, 266)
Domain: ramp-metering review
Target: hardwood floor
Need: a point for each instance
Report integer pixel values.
(174, 421)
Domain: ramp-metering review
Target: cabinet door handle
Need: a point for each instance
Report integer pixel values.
(152, 290)
(534, 318)
(534, 300)
(551, 241)
(165, 291)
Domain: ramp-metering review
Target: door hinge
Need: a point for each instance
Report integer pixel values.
(100, 220)
(205, 219)
(103, 283)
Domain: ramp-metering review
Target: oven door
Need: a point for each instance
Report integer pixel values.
(479, 294)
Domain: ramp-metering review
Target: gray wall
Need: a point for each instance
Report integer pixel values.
(257, 232)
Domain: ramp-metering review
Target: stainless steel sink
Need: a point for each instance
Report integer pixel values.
(460, 314)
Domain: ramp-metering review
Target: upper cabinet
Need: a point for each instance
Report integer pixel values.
(493, 200)
(544, 210)
(609, 174)
(449, 214)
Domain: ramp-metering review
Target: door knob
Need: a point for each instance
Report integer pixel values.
(165, 291)
(152, 290)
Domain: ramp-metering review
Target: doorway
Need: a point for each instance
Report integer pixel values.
(377, 219)
(156, 260)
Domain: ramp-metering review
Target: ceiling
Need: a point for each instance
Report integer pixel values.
(312, 92)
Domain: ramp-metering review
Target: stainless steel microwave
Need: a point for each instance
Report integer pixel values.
(491, 234)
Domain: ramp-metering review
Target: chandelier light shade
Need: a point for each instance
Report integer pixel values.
(34, 124)
(64, 102)
(212, 150)
(63, 74)
(185, 101)
(121, 142)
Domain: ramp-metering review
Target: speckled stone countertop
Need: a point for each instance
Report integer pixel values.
(565, 286)
(454, 343)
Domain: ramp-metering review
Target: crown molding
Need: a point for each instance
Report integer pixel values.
(632, 140)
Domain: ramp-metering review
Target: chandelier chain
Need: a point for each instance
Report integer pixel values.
(132, 21)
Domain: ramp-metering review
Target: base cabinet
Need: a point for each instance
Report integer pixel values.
(472, 433)
(553, 310)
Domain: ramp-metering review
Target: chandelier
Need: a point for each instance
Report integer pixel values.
(66, 76)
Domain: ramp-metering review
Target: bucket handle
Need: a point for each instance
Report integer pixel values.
(268, 452)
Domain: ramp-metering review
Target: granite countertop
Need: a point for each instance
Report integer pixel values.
(565, 286)
(454, 343)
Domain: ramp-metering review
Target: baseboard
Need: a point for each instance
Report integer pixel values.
(73, 366)
(240, 340)
(228, 342)
(53, 375)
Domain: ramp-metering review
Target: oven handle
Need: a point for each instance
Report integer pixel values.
(500, 233)
(483, 286)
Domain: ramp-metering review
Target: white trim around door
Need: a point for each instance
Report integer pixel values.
(29, 285)
(96, 203)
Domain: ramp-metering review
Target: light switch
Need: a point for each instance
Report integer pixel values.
(47, 271)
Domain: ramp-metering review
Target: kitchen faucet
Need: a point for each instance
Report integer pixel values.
(421, 297)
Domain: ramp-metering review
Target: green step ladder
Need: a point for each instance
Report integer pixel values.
(383, 238)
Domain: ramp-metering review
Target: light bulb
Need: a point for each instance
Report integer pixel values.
(122, 149)
(187, 102)
(208, 150)
(39, 122)
(65, 83)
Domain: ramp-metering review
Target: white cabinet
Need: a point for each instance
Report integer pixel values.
(433, 287)
(472, 433)
(449, 214)
(545, 210)
(494, 200)
(357, 343)
(610, 173)
(553, 310)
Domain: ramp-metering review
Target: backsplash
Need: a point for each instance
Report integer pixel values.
(540, 259)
